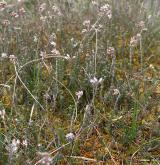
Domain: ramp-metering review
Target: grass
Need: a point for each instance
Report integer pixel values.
(79, 82)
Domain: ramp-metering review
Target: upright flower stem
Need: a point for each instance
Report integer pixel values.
(113, 68)
(130, 56)
(141, 54)
(95, 55)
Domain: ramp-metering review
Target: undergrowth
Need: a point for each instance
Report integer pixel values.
(79, 82)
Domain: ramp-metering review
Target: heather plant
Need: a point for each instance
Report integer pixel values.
(79, 82)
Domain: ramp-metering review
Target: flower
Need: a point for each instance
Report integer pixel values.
(55, 52)
(70, 137)
(53, 43)
(95, 82)
(94, 3)
(42, 54)
(6, 22)
(110, 51)
(46, 159)
(13, 147)
(22, 11)
(35, 39)
(79, 94)
(43, 18)
(87, 23)
(106, 10)
(116, 92)
(97, 27)
(24, 143)
(2, 113)
(14, 14)
(12, 58)
(4, 55)
(134, 41)
(84, 31)
(3, 5)
(56, 10)
(42, 7)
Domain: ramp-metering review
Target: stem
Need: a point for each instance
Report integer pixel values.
(95, 55)
(141, 54)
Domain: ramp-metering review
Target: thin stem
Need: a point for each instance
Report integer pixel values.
(95, 55)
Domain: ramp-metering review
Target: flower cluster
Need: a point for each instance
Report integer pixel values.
(13, 147)
(111, 51)
(3, 5)
(70, 137)
(12, 58)
(134, 40)
(79, 94)
(141, 25)
(6, 22)
(86, 24)
(95, 82)
(42, 7)
(46, 159)
(106, 10)
(56, 10)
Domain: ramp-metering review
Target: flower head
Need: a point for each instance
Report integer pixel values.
(106, 10)
(79, 94)
(46, 159)
(95, 82)
(70, 137)
(4, 55)
(42, 7)
(111, 51)
(116, 92)
(13, 147)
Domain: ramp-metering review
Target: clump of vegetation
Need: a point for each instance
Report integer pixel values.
(79, 82)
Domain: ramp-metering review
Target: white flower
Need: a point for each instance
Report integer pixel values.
(43, 18)
(6, 22)
(79, 94)
(95, 82)
(87, 23)
(116, 92)
(53, 43)
(110, 51)
(22, 11)
(35, 39)
(52, 37)
(2, 113)
(3, 4)
(55, 52)
(46, 159)
(70, 137)
(14, 14)
(67, 57)
(94, 3)
(84, 30)
(13, 147)
(151, 66)
(106, 10)
(56, 10)
(42, 54)
(42, 7)
(134, 41)
(12, 58)
(4, 55)
(24, 143)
